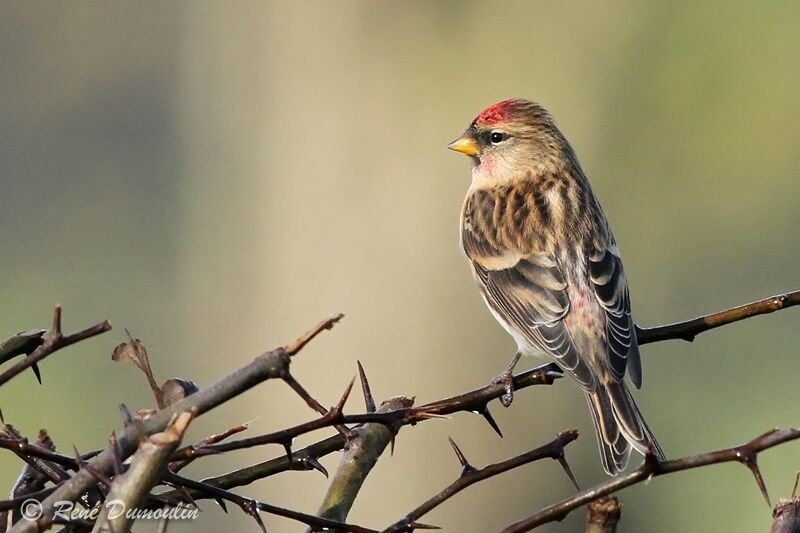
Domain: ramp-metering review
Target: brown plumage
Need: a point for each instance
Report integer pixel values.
(548, 267)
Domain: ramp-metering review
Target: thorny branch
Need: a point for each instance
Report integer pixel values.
(747, 454)
(308, 458)
(252, 507)
(471, 475)
(474, 401)
(106, 466)
(54, 341)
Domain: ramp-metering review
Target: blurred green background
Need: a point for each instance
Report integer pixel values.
(216, 177)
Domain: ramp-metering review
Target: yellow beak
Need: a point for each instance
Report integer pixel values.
(465, 145)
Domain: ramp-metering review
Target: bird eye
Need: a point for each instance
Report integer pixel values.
(497, 137)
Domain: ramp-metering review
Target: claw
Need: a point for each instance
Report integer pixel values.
(508, 397)
(506, 378)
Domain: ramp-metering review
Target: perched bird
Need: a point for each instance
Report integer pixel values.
(548, 268)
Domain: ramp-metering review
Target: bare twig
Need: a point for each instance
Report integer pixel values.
(270, 365)
(471, 475)
(308, 336)
(745, 454)
(689, 329)
(54, 341)
(208, 441)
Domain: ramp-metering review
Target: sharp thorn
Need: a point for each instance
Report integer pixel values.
(562, 460)
(459, 453)
(99, 476)
(418, 525)
(750, 460)
(37, 372)
(487, 415)
(252, 509)
(369, 401)
(466, 467)
(222, 504)
(185, 492)
(343, 399)
(287, 447)
(79, 462)
(314, 463)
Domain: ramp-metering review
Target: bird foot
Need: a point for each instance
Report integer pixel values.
(506, 378)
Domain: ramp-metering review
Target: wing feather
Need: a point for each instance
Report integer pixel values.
(611, 290)
(531, 296)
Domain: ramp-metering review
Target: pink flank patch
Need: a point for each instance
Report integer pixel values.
(582, 313)
(496, 113)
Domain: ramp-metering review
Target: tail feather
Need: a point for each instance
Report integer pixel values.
(631, 421)
(614, 449)
(619, 425)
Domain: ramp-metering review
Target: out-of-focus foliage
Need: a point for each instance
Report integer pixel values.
(216, 177)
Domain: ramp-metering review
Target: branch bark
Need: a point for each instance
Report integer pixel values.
(363, 450)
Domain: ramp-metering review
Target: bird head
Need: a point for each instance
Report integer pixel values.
(516, 134)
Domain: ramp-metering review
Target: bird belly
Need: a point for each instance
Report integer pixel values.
(523, 345)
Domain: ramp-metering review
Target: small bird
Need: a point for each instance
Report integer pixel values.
(548, 268)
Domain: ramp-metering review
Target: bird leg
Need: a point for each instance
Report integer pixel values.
(506, 378)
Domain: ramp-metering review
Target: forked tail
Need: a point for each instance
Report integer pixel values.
(619, 425)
